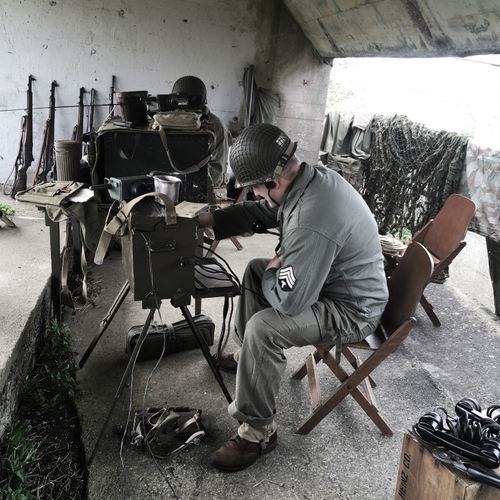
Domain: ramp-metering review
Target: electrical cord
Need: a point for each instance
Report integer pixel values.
(223, 260)
(157, 303)
(255, 292)
(146, 441)
(224, 336)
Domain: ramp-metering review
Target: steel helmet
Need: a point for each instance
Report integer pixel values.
(259, 154)
(192, 87)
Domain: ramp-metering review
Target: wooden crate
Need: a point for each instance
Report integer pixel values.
(422, 477)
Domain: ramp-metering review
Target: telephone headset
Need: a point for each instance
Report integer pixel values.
(287, 154)
(470, 434)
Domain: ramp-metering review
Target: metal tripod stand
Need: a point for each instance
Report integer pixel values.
(180, 302)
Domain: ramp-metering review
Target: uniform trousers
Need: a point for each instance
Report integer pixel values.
(264, 333)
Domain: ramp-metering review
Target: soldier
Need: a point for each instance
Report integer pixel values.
(325, 285)
(192, 86)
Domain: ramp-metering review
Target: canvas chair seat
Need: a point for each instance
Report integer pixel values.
(406, 285)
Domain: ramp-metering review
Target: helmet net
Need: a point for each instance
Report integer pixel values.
(256, 152)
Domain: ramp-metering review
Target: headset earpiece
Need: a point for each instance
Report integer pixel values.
(432, 420)
(270, 184)
(467, 404)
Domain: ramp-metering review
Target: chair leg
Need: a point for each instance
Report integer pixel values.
(337, 396)
(430, 311)
(355, 362)
(212, 248)
(236, 243)
(312, 378)
(302, 371)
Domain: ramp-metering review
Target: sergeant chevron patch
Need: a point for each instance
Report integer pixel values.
(286, 278)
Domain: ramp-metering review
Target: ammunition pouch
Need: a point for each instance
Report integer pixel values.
(53, 194)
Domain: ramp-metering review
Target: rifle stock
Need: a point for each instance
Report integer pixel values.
(49, 148)
(23, 164)
(40, 164)
(46, 160)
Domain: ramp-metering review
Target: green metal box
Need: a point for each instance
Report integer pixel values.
(158, 257)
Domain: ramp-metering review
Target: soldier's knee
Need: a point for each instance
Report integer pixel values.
(259, 327)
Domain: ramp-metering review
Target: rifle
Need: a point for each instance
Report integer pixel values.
(78, 128)
(18, 163)
(111, 93)
(90, 121)
(46, 160)
(23, 162)
(90, 124)
(37, 176)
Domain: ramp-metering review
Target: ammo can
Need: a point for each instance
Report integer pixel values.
(158, 255)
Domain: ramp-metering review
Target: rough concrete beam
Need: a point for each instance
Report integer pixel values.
(413, 28)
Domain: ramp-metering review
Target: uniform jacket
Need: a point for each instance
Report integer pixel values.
(329, 245)
(217, 165)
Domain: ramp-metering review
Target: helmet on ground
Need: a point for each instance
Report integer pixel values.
(259, 154)
(192, 87)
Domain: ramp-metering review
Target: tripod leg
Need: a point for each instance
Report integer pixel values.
(206, 352)
(106, 321)
(124, 379)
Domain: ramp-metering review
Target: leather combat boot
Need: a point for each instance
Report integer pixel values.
(227, 362)
(238, 453)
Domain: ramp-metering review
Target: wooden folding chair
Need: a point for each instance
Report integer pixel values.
(406, 285)
(444, 237)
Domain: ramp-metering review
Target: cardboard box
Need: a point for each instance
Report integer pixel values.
(422, 477)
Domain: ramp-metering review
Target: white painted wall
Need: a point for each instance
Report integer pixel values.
(148, 44)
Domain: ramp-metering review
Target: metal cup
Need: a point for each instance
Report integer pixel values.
(169, 185)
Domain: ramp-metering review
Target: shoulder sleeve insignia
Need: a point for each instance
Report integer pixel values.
(286, 278)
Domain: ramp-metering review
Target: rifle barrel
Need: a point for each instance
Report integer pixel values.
(28, 140)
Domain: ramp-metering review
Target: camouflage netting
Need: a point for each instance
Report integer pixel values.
(410, 173)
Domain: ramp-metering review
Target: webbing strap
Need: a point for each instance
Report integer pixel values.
(338, 350)
(66, 295)
(111, 228)
(193, 168)
(287, 154)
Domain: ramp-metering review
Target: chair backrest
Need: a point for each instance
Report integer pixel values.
(406, 285)
(449, 226)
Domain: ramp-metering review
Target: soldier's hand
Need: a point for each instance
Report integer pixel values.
(275, 262)
(205, 219)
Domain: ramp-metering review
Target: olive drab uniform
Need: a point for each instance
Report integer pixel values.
(217, 165)
(330, 289)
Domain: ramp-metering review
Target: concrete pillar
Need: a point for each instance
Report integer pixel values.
(286, 63)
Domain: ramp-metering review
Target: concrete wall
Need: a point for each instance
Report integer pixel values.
(148, 45)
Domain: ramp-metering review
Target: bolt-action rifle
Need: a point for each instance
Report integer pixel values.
(78, 128)
(112, 94)
(23, 161)
(90, 124)
(45, 163)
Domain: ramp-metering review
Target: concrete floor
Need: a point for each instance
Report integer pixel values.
(345, 456)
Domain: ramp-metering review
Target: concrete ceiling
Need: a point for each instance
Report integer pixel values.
(399, 28)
